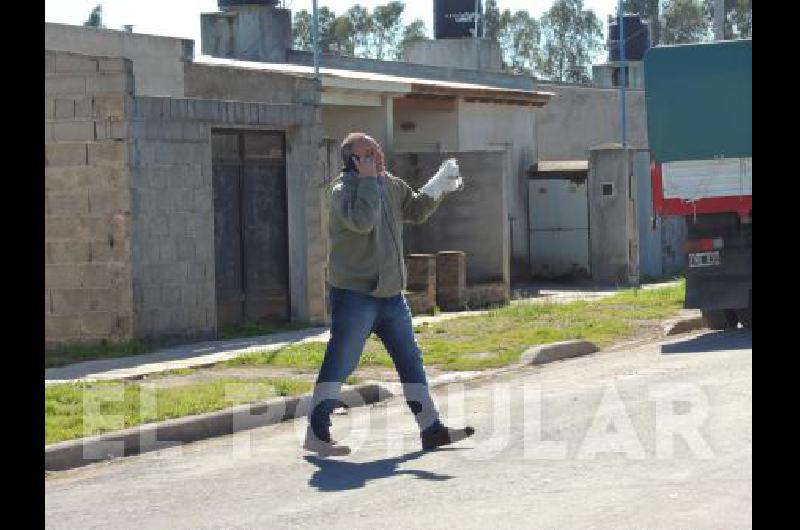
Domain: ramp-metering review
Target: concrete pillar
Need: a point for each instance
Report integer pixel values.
(613, 227)
(421, 282)
(451, 280)
(388, 112)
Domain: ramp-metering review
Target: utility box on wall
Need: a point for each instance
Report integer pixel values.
(612, 215)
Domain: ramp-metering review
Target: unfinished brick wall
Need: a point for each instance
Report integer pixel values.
(451, 280)
(87, 215)
(173, 210)
(421, 282)
(129, 205)
(172, 247)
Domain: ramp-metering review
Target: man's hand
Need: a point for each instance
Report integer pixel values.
(446, 180)
(366, 166)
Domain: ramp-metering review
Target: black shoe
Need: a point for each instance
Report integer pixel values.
(444, 436)
(324, 447)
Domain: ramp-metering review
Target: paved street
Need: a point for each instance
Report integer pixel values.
(610, 461)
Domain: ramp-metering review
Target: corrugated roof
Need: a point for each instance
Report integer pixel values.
(370, 81)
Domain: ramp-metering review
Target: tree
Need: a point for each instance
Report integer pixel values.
(326, 29)
(738, 18)
(361, 24)
(413, 32)
(491, 21)
(301, 30)
(571, 36)
(95, 19)
(685, 22)
(378, 35)
(388, 29)
(340, 36)
(519, 39)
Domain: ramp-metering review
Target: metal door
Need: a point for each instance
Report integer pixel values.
(559, 228)
(250, 227)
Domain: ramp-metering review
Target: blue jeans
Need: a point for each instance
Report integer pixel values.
(353, 317)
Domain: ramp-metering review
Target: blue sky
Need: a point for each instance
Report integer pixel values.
(181, 18)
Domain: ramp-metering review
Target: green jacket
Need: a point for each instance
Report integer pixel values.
(366, 232)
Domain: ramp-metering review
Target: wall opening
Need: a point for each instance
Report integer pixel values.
(251, 242)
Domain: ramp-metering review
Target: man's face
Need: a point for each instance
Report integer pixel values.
(368, 147)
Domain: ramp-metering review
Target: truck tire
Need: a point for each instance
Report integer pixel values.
(720, 318)
(745, 316)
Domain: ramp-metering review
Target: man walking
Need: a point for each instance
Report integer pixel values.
(367, 276)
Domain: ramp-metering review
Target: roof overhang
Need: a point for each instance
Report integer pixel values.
(349, 87)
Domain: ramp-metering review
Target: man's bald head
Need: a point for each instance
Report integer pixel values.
(361, 144)
(353, 140)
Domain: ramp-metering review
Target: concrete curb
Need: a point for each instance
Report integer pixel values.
(171, 433)
(683, 325)
(546, 353)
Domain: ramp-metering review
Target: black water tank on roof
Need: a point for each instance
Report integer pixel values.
(637, 38)
(454, 19)
(233, 3)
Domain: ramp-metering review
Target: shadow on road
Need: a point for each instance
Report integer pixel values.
(740, 339)
(337, 475)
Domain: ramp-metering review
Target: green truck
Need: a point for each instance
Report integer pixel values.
(699, 101)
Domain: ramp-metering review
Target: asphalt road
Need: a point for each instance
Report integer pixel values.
(653, 436)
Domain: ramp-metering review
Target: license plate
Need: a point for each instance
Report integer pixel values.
(704, 259)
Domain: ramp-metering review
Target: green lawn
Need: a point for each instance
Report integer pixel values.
(496, 339)
(480, 342)
(75, 410)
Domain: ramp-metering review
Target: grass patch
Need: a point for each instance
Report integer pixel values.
(74, 410)
(74, 354)
(480, 342)
(497, 338)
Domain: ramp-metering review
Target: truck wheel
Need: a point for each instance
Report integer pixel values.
(720, 318)
(745, 316)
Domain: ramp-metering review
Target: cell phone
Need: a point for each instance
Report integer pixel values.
(351, 164)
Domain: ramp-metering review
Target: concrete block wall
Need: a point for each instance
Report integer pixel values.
(248, 32)
(318, 253)
(88, 296)
(493, 126)
(456, 53)
(292, 104)
(172, 249)
(473, 220)
(172, 202)
(240, 84)
(578, 118)
(158, 62)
